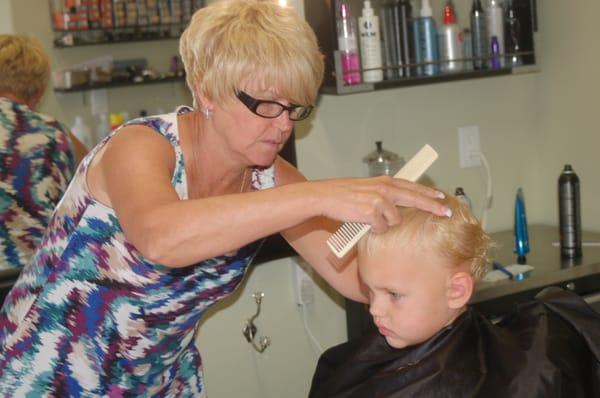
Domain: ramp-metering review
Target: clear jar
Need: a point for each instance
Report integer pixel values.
(383, 162)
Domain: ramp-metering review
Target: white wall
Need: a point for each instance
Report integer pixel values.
(568, 93)
(6, 17)
(530, 126)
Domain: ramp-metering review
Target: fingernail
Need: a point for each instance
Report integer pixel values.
(440, 195)
(448, 212)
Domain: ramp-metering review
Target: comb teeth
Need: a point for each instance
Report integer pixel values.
(346, 237)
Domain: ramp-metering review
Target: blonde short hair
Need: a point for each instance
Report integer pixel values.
(459, 240)
(24, 66)
(232, 40)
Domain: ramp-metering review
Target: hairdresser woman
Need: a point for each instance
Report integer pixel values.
(166, 214)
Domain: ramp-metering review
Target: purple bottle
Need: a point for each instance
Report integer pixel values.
(495, 54)
(348, 46)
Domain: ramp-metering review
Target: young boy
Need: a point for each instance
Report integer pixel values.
(420, 277)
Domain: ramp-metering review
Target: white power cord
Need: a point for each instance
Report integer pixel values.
(487, 202)
(304, 295)
(316, 346)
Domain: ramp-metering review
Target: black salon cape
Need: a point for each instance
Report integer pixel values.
(549, 347)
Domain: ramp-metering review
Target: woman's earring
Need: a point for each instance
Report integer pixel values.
(207, 113)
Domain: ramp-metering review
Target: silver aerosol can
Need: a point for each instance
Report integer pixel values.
(569, 213)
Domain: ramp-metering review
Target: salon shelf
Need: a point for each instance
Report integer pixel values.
(95, 86)
(93, 37)
(339, 88)
(321, 16)
(113, 40)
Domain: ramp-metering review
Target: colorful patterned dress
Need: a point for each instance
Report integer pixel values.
(36, 165)
(92, 317)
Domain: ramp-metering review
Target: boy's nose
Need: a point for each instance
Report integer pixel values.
(376, 308)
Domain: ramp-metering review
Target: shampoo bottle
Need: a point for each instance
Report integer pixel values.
(479, 36)
(426, 42)
(450, 41)
(348, 45)
(495, 25)
(370, 44)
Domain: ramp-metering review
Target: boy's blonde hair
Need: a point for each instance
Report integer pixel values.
(232, 40)
(24, 66)
(460, 239)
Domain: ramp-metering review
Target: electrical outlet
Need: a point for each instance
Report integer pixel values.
(469, 146)
(302, 281)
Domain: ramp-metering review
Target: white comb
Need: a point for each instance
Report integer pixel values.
(342, 241)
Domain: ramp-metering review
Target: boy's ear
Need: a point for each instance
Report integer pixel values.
(460, 290)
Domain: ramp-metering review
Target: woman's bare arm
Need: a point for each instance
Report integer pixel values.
(135, 171)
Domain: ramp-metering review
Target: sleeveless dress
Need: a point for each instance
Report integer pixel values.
(90, 316)
(36, 165)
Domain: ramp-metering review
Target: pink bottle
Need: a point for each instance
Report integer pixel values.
(348, 46)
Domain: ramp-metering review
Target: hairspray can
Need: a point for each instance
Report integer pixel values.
(569, 213)
(479, 36)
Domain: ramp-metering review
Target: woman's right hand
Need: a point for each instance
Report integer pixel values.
(373, 200)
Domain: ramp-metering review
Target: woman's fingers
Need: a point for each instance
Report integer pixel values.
(375, 200)
(422, 189)
(408, 198)
(409, 194)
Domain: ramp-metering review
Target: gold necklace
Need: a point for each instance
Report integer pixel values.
(244, 180)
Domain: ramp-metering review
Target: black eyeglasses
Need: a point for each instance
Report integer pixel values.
(272, 109)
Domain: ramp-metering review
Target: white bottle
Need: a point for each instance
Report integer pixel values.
(495, 26)
(370, 44)
(450, 41)
(82, 132)
(103, 127)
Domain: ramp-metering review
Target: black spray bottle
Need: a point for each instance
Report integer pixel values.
(406, 49)
(569, 213)
(512, 32)
(479, 36)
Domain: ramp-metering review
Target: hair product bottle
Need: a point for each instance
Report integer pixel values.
(479, 36)
(495, 25)
(467, 49)
(569, 213)
(407, 50)
(370, 44)
(495, 62)
(390, 48)
(460, 194)
(512, 36)
(348, 45)
(426, 42)
(450, 41)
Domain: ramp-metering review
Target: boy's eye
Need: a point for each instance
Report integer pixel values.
(395, 295)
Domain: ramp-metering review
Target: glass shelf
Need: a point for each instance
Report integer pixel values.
(120, 83)
(92, 37)
(340, 88)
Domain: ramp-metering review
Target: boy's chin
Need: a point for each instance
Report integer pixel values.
(396, 342)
